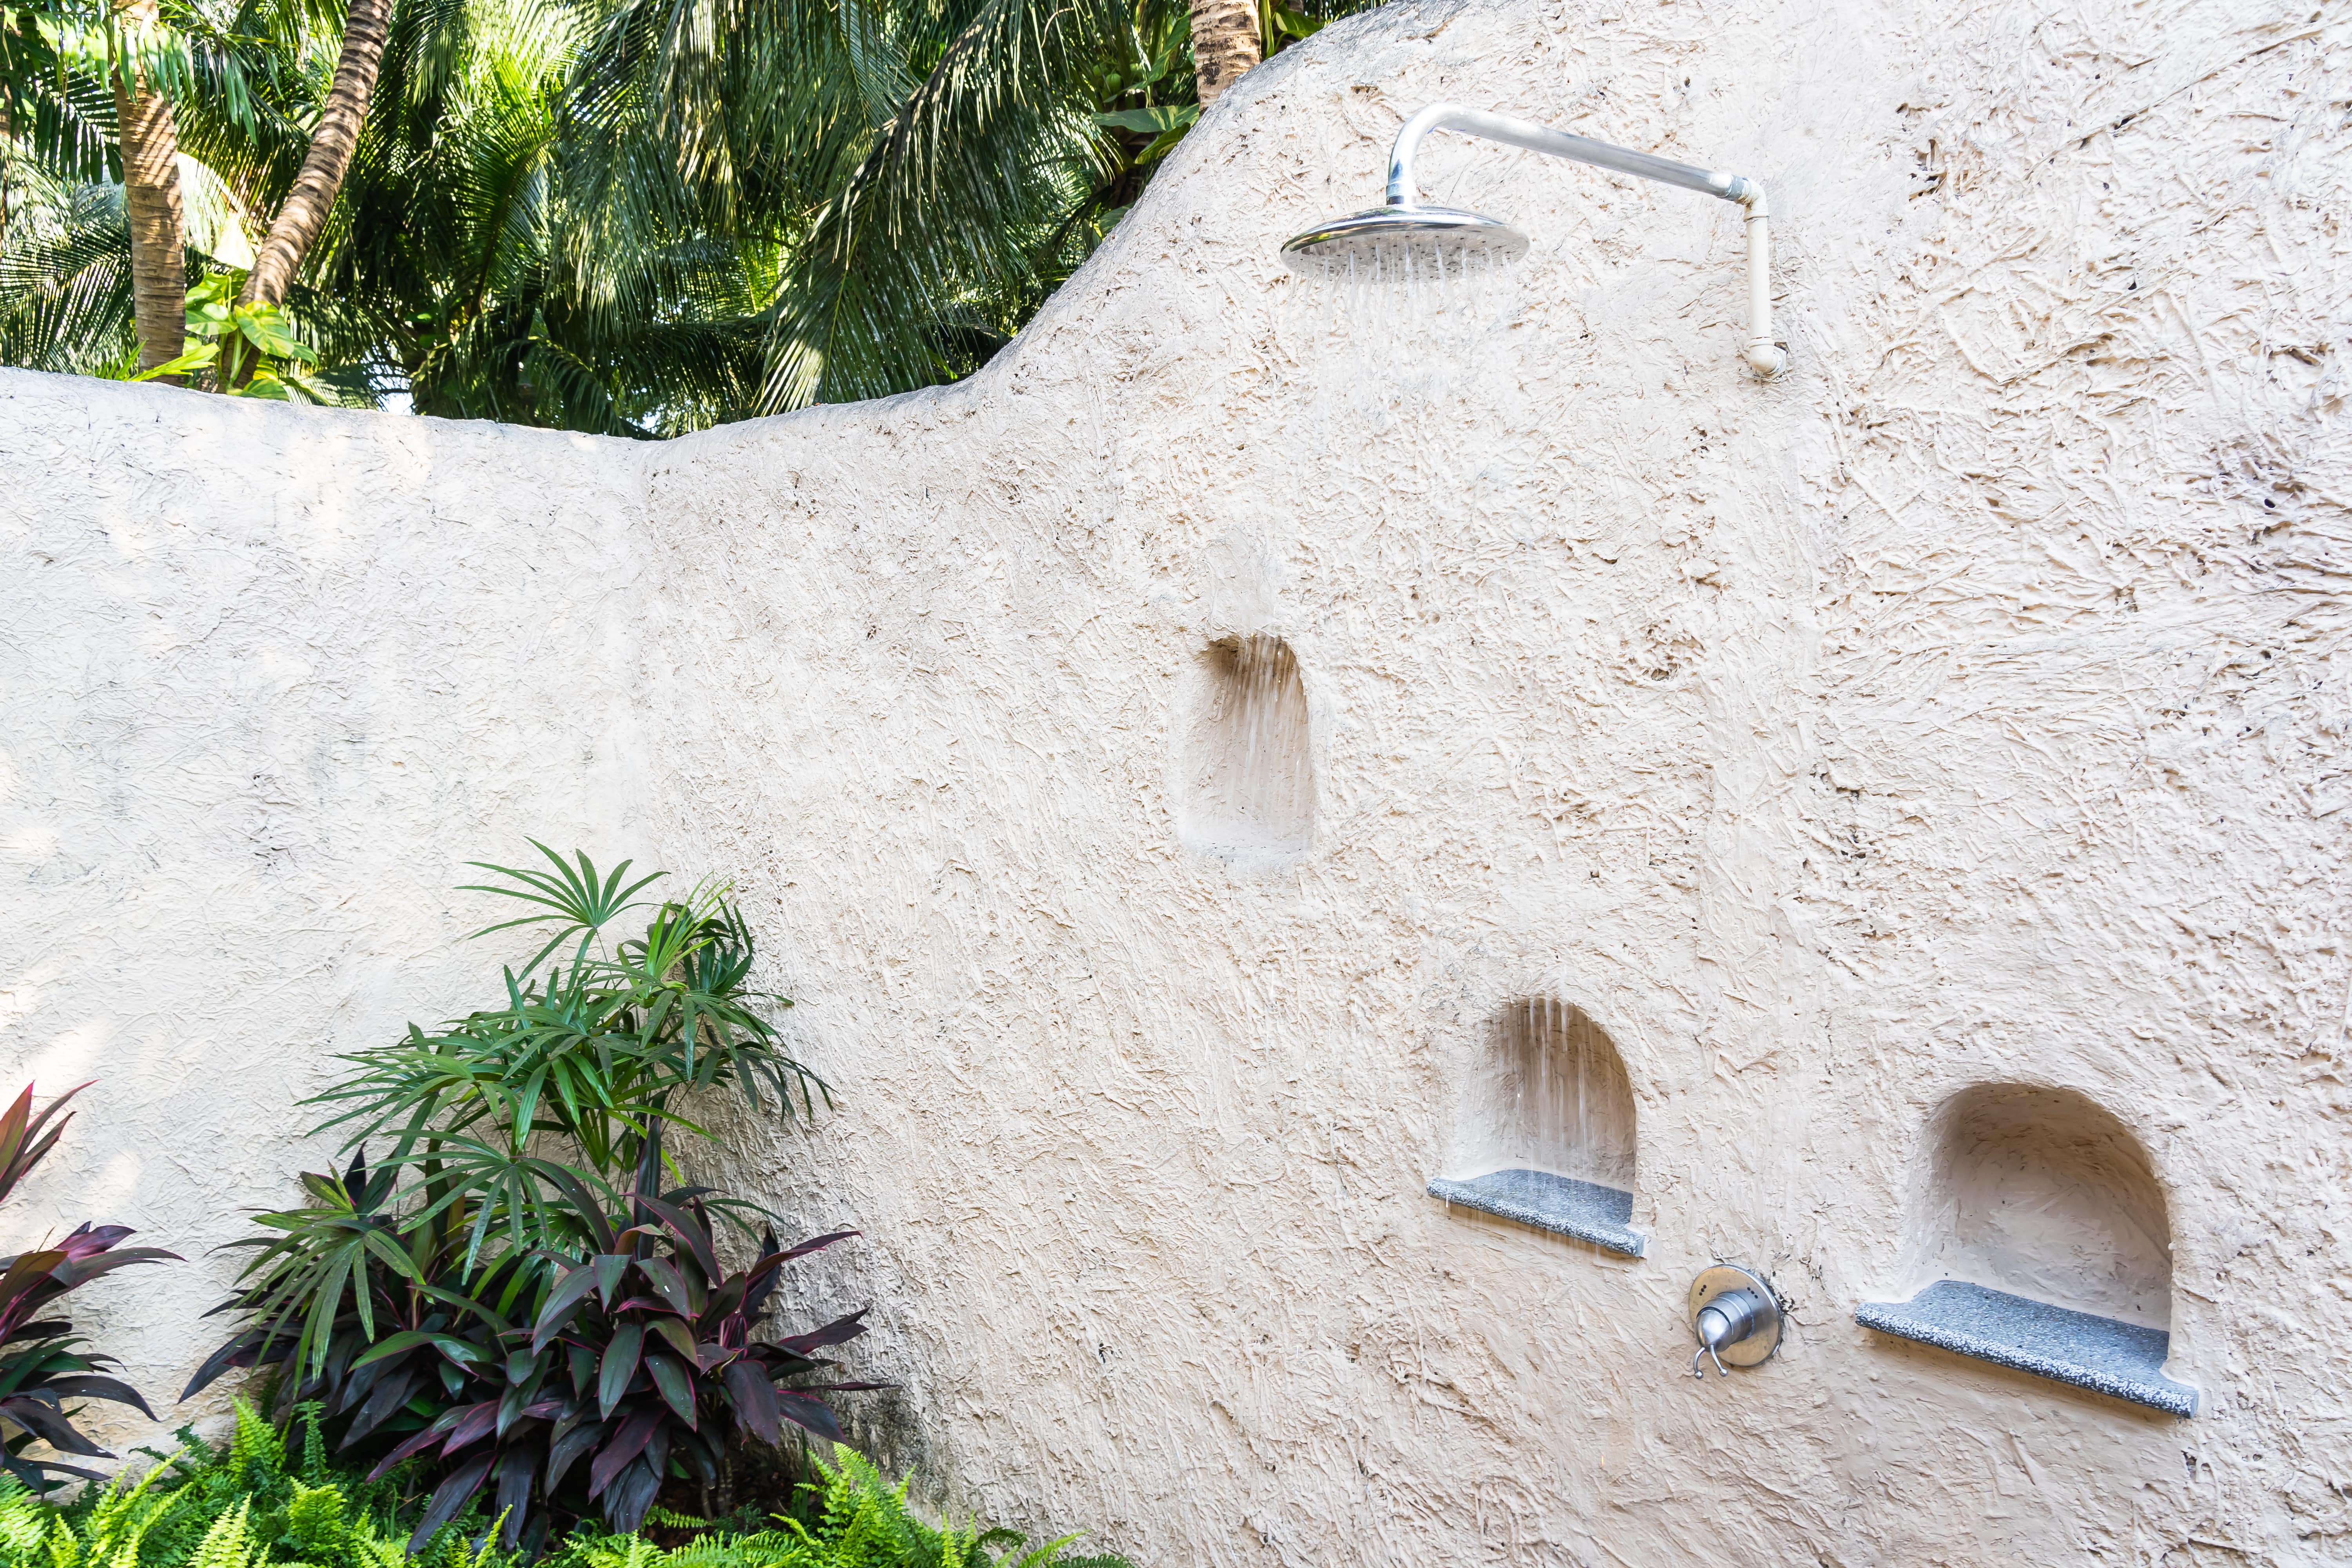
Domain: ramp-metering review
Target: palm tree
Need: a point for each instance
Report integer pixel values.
(1225, 43)
(304, 210)
(151, 188)
(645, 216)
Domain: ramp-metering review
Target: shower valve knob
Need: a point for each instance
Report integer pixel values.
(1736, 1317)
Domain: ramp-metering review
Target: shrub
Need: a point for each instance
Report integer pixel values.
(863, 1522)
(580, 1061)
(403, 1297)
(42, 1365)
(639, 1363)
(246, 1504)
(240, 1505)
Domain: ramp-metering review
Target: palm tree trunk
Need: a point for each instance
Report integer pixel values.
(1224, 43)
(150, 190)
(304, 214)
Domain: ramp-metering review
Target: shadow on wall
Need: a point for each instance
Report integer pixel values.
(1246, 769)
(1544, 1129)
(2037, 1238)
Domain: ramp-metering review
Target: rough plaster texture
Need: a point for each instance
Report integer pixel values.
(1967, 707)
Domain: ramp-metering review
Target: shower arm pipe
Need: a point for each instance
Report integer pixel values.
(1764, 356)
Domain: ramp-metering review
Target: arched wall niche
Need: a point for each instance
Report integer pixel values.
(2036, 1237)
(1544, 1127)
(2044, 1194)
(1245, 758)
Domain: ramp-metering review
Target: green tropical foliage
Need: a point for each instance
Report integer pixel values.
(259, 1501)
(570, 1390)
(641, 1362)
(248, 350)
(619, 216)
(43, 1362)
(510, 1129)
(861, 1521)
(513, 1298)
(239, 1505)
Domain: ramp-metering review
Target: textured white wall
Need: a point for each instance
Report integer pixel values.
(1966, 707)
(271, 677)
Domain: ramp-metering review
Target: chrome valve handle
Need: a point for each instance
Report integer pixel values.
(1736, 1317)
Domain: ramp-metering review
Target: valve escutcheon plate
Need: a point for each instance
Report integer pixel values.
(1721, 1279)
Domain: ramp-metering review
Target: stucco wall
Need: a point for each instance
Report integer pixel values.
(270, 679)
(1965, 708)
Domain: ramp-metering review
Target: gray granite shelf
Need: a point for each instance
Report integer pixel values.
(2121, 1360)
(1584, 1210)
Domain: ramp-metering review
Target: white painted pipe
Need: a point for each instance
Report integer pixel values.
(1764, 356)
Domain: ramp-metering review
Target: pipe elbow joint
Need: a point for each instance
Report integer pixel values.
(1766, 359)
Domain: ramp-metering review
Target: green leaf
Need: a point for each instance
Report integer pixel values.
(407, 1340)
(619, 1367)
(672, 1380)
(1152, 121)
(1160, 147)
(200, 358)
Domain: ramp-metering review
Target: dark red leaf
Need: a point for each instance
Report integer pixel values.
(754, 1399)
(85, 1385)
(90, 1240)
(626, 1509)
(816, 1244)
(637, 1430)
(841, 1330)
(619, 1366)
(388, 1396)
(474, 1423)
(43, 1421)
(802, 1410)
(674, 1383)
(696, 1240)
(561, 1302)
(512, 1502)
(569, 1446)
(450, 1496)
(415, 1444)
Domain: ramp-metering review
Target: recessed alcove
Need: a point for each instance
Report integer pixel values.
(1544, 1128)
(2037, 1238)
(1247, 771)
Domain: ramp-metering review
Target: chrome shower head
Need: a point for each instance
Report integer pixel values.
(1432, 242)
(1402, 236)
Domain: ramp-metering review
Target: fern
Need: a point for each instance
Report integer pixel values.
(229, 1542)
(238, 1506)
(24, 1522)
(315, 1522)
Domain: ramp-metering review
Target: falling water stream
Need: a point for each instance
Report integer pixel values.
(1566, 1107)
(1251, 773)
(1387, 340)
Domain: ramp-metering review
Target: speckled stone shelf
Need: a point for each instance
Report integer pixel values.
(2122, 1360)
(1585, 1210)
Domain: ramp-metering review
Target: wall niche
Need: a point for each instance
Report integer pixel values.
(2038, 1239)
(1246, 770)
(1544, 1132)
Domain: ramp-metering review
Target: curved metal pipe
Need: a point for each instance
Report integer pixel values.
(1765, 357)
